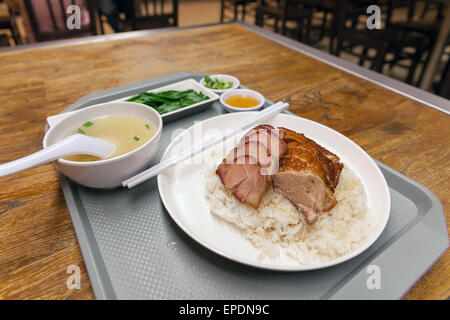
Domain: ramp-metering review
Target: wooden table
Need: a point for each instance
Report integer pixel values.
(37, 239)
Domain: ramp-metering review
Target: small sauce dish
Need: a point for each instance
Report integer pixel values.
(238, 100)
(224, 77)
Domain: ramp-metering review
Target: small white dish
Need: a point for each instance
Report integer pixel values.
(108, 173)
(242, 92)
(227, 77)
(181, 86)
(169, 116)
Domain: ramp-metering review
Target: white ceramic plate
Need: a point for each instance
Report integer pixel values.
(182, 189)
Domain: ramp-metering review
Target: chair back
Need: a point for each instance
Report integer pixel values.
(412, 9)
(351, 10)
(150, 14)
(409, 5)
(48, 18)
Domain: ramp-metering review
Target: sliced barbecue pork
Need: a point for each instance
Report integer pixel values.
(257, 150)
(308, 175)
(248, 169)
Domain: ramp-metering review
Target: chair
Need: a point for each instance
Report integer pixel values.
(432, 6)
(4, 40)
(326, 7)
(116, 13)
(350, 37)
(329, 27)
(299, 12)
(443, 86)
(150, 14)
(234, 6)
(424, 31)
(387, 39)
(9, 23)
(48, 19)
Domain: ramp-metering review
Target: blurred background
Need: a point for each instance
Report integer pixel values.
(412, 44)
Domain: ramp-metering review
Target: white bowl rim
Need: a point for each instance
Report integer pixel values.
(236, 82)
(105, 161)
(259, 96)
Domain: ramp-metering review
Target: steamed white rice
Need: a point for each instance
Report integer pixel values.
(277, 225)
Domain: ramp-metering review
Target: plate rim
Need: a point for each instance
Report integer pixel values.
(286, 268)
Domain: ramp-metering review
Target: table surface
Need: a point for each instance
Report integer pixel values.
(37, 239)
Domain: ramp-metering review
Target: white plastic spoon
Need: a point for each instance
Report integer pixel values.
(74, 144)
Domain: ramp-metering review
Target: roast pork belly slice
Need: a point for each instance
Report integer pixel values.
(233, 174)
(244, 179)
(308, 175)
(249, 168)
(273, 143)
(276, 146)
(252, 189)
(255, 149)
(269, 136)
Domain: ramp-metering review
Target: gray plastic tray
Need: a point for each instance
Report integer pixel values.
(133, 250)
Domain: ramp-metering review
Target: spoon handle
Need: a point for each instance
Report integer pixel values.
(74, 144)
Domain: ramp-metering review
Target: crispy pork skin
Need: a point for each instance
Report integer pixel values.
(308, 175)
(248, 169)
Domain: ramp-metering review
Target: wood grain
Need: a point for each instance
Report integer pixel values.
(37, 239)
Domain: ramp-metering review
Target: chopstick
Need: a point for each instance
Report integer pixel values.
(267, 113)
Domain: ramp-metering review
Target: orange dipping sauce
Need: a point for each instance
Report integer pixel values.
(242, 101)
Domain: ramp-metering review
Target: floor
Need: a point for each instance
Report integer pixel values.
(189, 12)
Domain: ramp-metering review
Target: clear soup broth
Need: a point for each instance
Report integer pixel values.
(125, 132)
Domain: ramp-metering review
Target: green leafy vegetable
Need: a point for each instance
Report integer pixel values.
(136, 138)
(217, 84)
(88, 124)
(147, 126)
(80, 131)
(168, 101)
